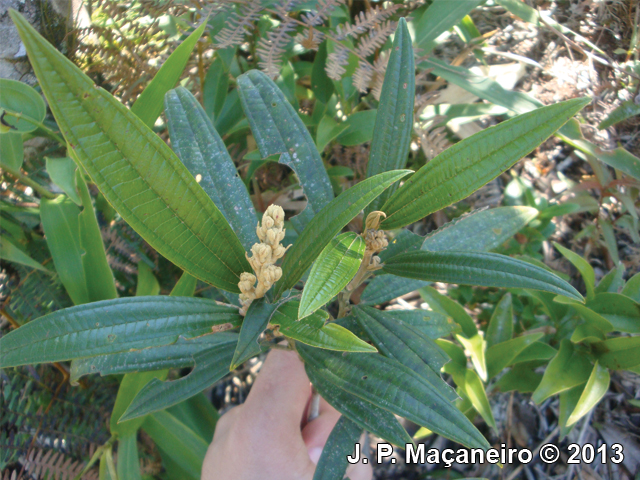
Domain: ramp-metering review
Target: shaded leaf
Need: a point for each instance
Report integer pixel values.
(384, 288)
(474, 389)
(63, 173)
(620, 310)
(586, 270)
(130, 385)
(626, 110)
(11, 253)
(444, 305)
(501, 323)
(620, 353)
(19, 98)
(597, 386)
(434, 325)
(12, 148)
(254, 323)
(502, 355)
(333, 461)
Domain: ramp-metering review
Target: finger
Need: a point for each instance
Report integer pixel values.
(281, 390)
(316, 432)
(359, 471)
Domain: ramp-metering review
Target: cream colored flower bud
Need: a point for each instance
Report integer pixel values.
(278, 252)
(261, 253)
(247, 282)
(277, 214)
(373, 220)
(267, 221)
(375, 261)
(272, 237)
(271, 274)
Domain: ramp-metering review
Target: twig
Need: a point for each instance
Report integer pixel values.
(27, 181)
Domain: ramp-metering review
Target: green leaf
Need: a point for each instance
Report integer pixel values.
(147, 282)
(385, 288)
(586, 270)
(359, 129)
(12, 148)
(568, 401)
(591, 317)
(99, 277)
(203, 152)
(186, 448)
(313, 331)
(63, 173)
(519, 102)
(332, 271)
(321, 84)
(209, 366)
(474, 389)
(19, 98)
(502, 355)
(535, 351)
(396, 388)
(368, 416)
(11, 253)
(568, 369)
(277, 128)
(468, 165)
(597, 386)
(148, 105)
(483, 269)
(404, 241)
(480, 231)
(328, 130)
(407, 345)
(327, 223)
(394, 120)
(215, 89)
(612, 281)
(255, 321)
(501, 324)
(439, 17)
(433, 325)
(112, 326)
(175, 355)
(626, 110)
(136, 171)
(587, 334)
(521, 378)
(620, 310)
(199, 414)
(130, 385)
(622, 353)
(333, 462)
(185, 287)
(476, 348)
(444, 305)
(62, 231)
(128, 466)
(631, 289)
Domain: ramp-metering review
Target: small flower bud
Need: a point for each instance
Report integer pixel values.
(373, 220)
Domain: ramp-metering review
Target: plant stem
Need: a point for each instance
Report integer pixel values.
(96, 456)
(27, 181)
(40, 125)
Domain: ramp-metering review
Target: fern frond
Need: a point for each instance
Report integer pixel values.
(362, 77)
(311, 39)
(434, 141)
(323, 10)
(55, 465)
(336, 62)
(271, 48)
(375, 39)
(366, 21)
(238, 26)
(380, 68)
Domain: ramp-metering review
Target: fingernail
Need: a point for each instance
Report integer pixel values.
(314, 454)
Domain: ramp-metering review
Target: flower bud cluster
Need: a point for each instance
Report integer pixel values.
(264, 256)
(375, 240)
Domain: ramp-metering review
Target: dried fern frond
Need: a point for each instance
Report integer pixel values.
(380, 68)
(55, 465)
(362, 77)
(433, 140)
(238, 26)
(311, 39)
(271, 48)
(323, 10)
(366, 21)
(375, 39)
(336, 62)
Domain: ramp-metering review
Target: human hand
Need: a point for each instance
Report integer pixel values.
(267, 437)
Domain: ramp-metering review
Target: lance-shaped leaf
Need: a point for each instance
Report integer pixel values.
(148, 106)
(130, 385)
(474, 389)
(568, 369)
(592, 318)
(394, 121)
(620, 310)
(433, 324)
(471, 163)
(11, 253)
(277, 128)
(501, 355)
(480, 231)
(333, 269)
(625, 110)
(327, 223)
(203, 152)
(112, 326)
(371, 418)
(209, 366)
(396, 388)
(128, 465)
(313, 331)
(404, 241)
(175, 355)
(407, 345)
(620, 353)
(439, 17)
(255, 321)
(476, 347)
(385, 288)
(444, 305)
(597, 386)
(333, 462)
(585, 269)
(135, 170)
(534, 352)
(501, 324)
(483, 269)
(62, 172)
